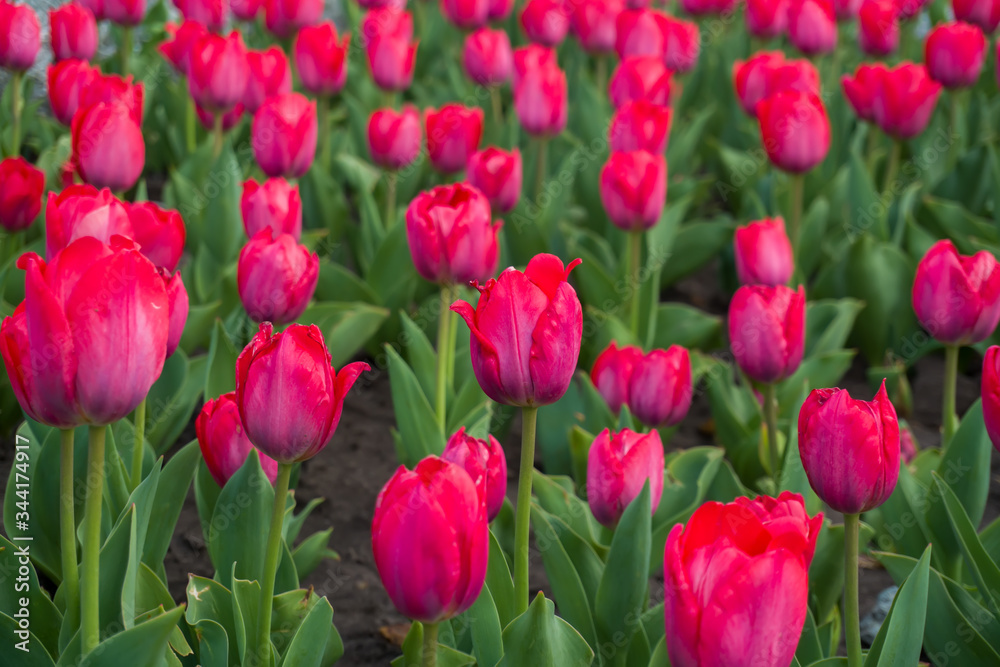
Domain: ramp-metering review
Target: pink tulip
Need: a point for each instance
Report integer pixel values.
(640, 126)
(453, 134)
(763, 253)
(878, 27)
(660, 388)
(767, 18)
(391, 60)
(284, 17)
(223, 442)
(640, 32)
(276, 277)
(269, 75)
(618, 466)
(320, 59)
(21, 36)
(488, 58)
(210, 13)
(246, 10)
(466, 14)
(497, 174)
(683, 43)
(955, 54)
(541, 101)
(633, 189)
(21, 187)
(108, 148)
(111, 88)
(812, 26)
(794, 129)
(530, 57)
(159, 232)
(125, 12)
(73, 32)
(394, 137)
(177, 307)
(79, 211)
(67, 81)
(612, 373)
(861, 90)
(640, 78)
(500, 9)
(284, 135)
(177, 49)
(273, 204)
(594, 24)
(983, 13)
(545, 22)
(767, 330)
(218, 72)
(991, 394)
(904, 100)
(481, 458)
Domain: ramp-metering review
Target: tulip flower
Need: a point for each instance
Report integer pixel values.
(991, 394)
(283, 17)
(737, 582)
(96, 8)
(660, 388)
(111, 88)
(431, 540)
(594, 24)
(21, 36)
(177, 307)
(812, 26)
(531, 57)
(767, 19)
(763, 253)
(108, 148)
(640, 32)
(683, 44)
(488, 58)
(904, 100)
(223, 442)
(466, 14)
(226, 121)
(160, 233)
(640, 126)
(481, 458)
(273, 204)
(276, 277)
(21, 187)
(126, 13)
(269, 75)
(634, 189)
(618, 466)
(612, 373)
(545, 22)
(794, 129)
(499, 9)
(79, 211)
(955, 54)
(391, 60)
(321, 60)
(246, 10)
(497, 174)
(767, 330)
(640, 78)
(861, 90)
(846, 10)
(210, 13)
(982, 13)
(706, 7)
(451, 235)
(907, 444)
(389, 22)
(73, 32)
(67, 80)
(878, 27)
(289, 397)
(284, 135)
(751, 78)
(218, 72)
(394, 137)
(453, 134)
(541, 101)
(177, 49)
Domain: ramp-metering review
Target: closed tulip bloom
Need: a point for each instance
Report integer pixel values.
(904, 100)
(275, 203)
(284, 17)
(108, 148)
(219, 72)
(288, 394)
(284, 135)
(957, 297)
(500, 9)
(763, 253)
(223, 442)
(245, 10)
(982, 13)
(794, 129)
(660, 389)
(737, 582)
(530, 57)
(767, 18)
(751, 78)
(67, 80)
(799, 75)
(159, 232)
(640, 78)
(526, 332)
(541, 101)
(767, 330)
(545, 22)
(634, 189)
(21, 187)
(451, 235)
(861, 89)
(386, 22)
(228, 119)
(82, 210)
(497, 174)
(955, 53)
(431, 540)
(77, 352)
(125, 12)
(394, 136)
(111, 88)
(488, 58)
(849, 448)
(269, 75)
(640, 32)
(612, 373)
(210, 13)
(453, 134)
(640, 126)
(594, 24)
(21, 36)
(991, 394)
(812, 26)
(391, 60)
(618, 466)
(481, 458)
(320, 59)
(276, 277)
(177, 307)
(177, 49)
(73, 32)
(878, 27)
(683, 44)
(466, 14)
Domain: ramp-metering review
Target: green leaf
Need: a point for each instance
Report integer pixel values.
(20, 652)
(659, 657)
(500, 583)
(556, 496)
(484, 623)
(172, 399)
(44, 616)
(965, 464)
(418, 427)
(312, 551)
(420, 353)
(289, 610)
(144, 644)
(687, 326)
(170, 494)
(696, 244)
(686, 479)
(309, 642)
(900, 637)
(246, 610)
(541, 639)
(221, 376)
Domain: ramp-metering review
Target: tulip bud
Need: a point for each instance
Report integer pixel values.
(79, 211)
(177, 49)
(290, 398)
(812, 26)
(274, 204)
(705, 7)
(986, 14)
(466, 14)
(991, 394)
(218, 71)
(545, 22)
(111, 88)
(453, 134)
(245, 10)
(904, 100)
(320, 60)
(481, 458)
(284, 135)
(541, 101)
(794, 129)
(767, 330)
(861, 89)
(531, 57)
(640, 78)
(392, 56)
(284, 17)
(537, 305)
(878, 27)
(594, 24)
(394, 137)
(276, 277)
(73, 32)
(269, 75)
(618, 466)
(431, 540)
(767, 18)
(160, 233)
(223, 443)
(660, 389)
(21, 187)
(769, 73)
(487, 57)
(957, 297)
(634, 189)
(763, 253)
(67, 80)
(640, 126)
(21, 36)
(955, 53)
(108, 148)
(389, 22)
(497, 174)
(849, 448)
(125, 12)
(177, 307)
(612, 373)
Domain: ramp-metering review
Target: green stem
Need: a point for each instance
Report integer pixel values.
(16, 104)
(601, 74)
(126, 52)
(522, 518)
(271, 565)
(390, 199)
(851, 613)
(795, 220)
(540, 158)
(949, 419)
(771, 419)
(892, 168)
(634, 267)
(324, 131)
(90, 631)
(430, 655)
(497, 106)
(190, 129)
(389, 99)
(953, 148)
(138, 448)
(67, 526)
(219, 134)
(444, 351)
(872, 145)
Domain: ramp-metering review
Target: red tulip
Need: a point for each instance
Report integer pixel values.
(767, 18)
(320, 60)
(488, 58)
(767, 330)
(660, 389)
(541, 101)
(500, 9)
(640, 32)
(177, 307)
(683, 44)
(276, 277)
(794, 129)
(812, 26)
(219, 71)
(640, 78)
(849, 448)
(612, 373)
(274, 204)
(21, 36)
(634, 189)
(497, 174)
(466, 14)
(394, 137)
(904, 100)
(79, 211)
(284, 17)
(223, 443)
(391, 60)
(67, 81)
(73, 32)
(594, 24)
(751, 78)
(618, 466)
(451, 235)
(108, 148)
(390, 22)
(228, 119)
(545, 22)
(269, 75)
(539, 306)
(861, 89)
(111, 88)
(453, 134)
(430, 540)
(85, 346)
(21, 187)
(481, 458)
(737, 582)
(159, 232)
(991, 394)
(290, 398)
(983, 13)
(878, 27)
(210, 13)
(177, 49)
(957, 297)
(703, 7)
(530, 57)
(640, 126)
(246, 10)
(125, 12)
(763, 253)
(284, 135)
(955, 53)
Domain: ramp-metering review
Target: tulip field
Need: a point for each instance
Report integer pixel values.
(509, 333)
